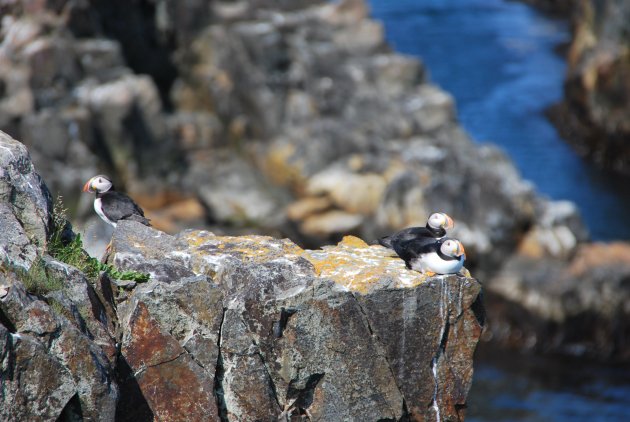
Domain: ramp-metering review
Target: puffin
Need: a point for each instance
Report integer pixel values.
(436, 227)
(443, 256)
(111, 205)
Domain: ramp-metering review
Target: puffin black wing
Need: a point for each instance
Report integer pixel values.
(411, 233)
(118, 206)
(408, 250)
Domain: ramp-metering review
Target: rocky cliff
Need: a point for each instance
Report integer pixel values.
(594, 113)
(290, 118)
(227, 328)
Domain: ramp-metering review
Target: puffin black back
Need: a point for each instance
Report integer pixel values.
(118, 206)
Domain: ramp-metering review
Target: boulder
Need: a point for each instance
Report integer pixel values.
(272, 330)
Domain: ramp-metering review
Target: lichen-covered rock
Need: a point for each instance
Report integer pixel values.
(48, 356)
(35, 385)
(25, 205)
(340, 333)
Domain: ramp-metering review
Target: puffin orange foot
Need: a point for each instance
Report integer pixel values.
(430, 273)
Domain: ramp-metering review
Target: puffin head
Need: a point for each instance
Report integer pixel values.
(98, 184)
(453, 247)
(439, 219)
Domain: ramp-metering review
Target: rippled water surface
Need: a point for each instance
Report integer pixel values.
(498, 59)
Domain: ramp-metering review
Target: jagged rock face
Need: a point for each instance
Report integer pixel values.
(51, 365)
(260, 328)
(577, 306)
(25, 205)
(597, 88)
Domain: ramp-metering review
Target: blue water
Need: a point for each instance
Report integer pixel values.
(537, 389)
(498, 60)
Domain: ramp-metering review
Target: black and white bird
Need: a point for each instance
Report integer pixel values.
(436, 227)
(111, 205)
(443, 256)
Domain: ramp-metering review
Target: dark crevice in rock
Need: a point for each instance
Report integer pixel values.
(160, 363)
(146, 49)
(272, 385)
(218, 376)
(406, 417)
(8, 361)
(367, 320)
(72, 411)
(132, 405)
(51, 337)
(444, 339)
(279, 326)
(479, 310)
(302, 398)
(4, 320)
(461, 410)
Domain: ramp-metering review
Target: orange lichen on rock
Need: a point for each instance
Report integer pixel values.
(360, 267)
(250, 248)
(352, 263)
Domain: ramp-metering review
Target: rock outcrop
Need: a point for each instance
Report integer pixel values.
(594, 113)
(229, 328)
(334, 333)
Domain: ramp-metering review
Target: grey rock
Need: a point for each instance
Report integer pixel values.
(35, 385)
(170, 341)
(291, 331)
(25, 205)
(67, 356)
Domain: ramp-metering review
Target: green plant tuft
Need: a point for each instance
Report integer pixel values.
(69, 249)
(37, 281)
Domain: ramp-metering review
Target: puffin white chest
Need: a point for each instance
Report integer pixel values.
(434, 263)
(98, 207)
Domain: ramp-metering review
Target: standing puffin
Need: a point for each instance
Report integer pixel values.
(111, 205)
(444, 256)
(436, 227)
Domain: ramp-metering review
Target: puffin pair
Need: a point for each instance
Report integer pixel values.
(426, 249)
(111, 205)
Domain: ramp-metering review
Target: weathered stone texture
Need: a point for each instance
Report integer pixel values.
(288, 331)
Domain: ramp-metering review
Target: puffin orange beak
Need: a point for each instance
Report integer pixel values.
(87, 187)
(449, 222)
(462, 250)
